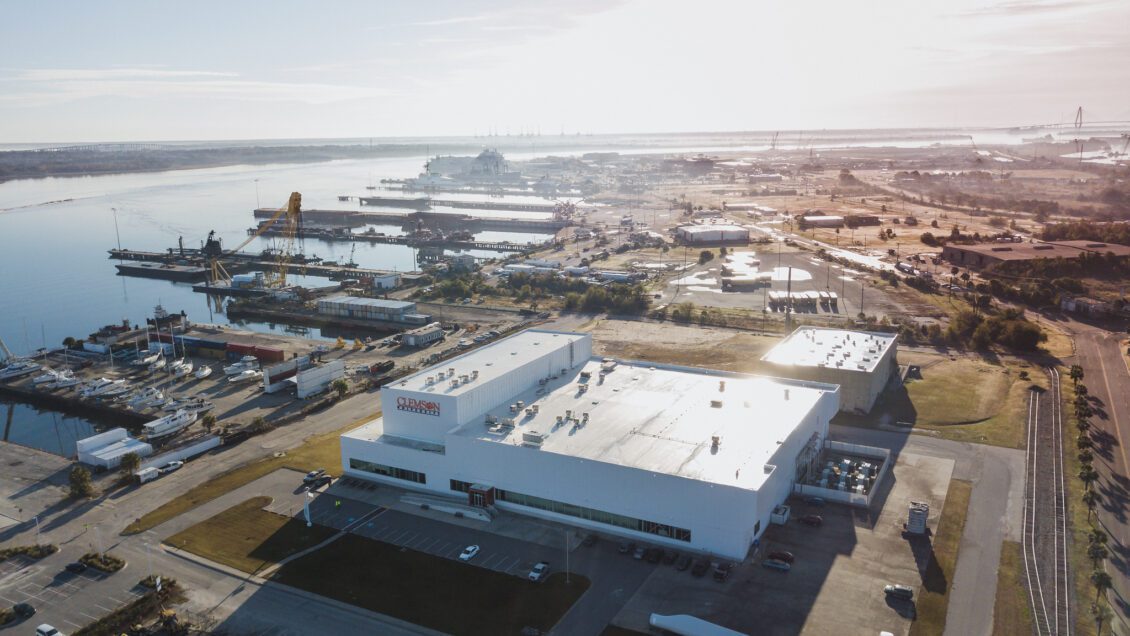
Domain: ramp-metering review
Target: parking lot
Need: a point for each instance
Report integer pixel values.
(835, 584)
(67, 601)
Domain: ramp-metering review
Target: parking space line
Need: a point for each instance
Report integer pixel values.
(485, 561)
(426, 546)
(104, 609)
(89, 616)
(414, 535)
(446, 545)
(74, 625)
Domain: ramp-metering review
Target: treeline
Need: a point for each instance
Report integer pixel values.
(1088, 231)
(1087, 265)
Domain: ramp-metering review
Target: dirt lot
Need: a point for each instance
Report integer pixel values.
(836, 583)
(673, 343)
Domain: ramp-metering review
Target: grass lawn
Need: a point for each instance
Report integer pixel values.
(933, 596)
(442, 594)
(1012, 612)
(248, 538)
(322, 451)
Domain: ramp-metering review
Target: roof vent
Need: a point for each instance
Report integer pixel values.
(715, 404)
(721, 386)
(715, 442)
(786, 394)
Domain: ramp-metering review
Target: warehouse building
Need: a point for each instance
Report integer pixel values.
(860, 362)
(978, 256)
(713, 233)
(820, 220)
(105, 450)
(372, 309)
(423, 336)
(687, 458)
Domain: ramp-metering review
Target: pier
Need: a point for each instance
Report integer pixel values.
(409, 220)
(343, 234)
(248, 262)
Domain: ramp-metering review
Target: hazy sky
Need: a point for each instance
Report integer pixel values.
(72, 71)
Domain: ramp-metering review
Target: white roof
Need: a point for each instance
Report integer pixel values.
(833, 348)
(114, 450)
(381, 303)
(491, 361)
(710, 227)
(661, 419)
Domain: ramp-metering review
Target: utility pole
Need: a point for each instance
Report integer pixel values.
(566, 531)
(862, 286)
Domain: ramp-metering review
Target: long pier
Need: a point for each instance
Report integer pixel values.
(247, 262)
(343, 234)
(354, 218)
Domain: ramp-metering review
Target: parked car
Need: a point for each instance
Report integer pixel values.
(670, 557)
(626, 547)
(684, 563)
(47, 630)
(312, 475)
(812, 520)
(654, 555)
(23, 610)
(469, 553)
(700, 568)
(318, 482)
(76, 567)
(814, 501)
(781, 555)
(590, 541)
(170, 467)
(539, 571)
(722, 570)
(899, 591)
(774, 564)
(639, 553)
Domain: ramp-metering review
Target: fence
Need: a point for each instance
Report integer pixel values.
(843, 496)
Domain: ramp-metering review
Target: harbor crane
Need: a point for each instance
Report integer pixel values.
(290, 215)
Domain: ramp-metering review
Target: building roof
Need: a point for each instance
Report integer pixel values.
(833, 348)
(380, 303)
(1029, 251)
(662, 419)
(491, 361)
(711, 227)
(116, 449)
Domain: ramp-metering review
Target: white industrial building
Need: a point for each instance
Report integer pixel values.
(683, 457)
(861, 362)
(372, 309)
(712, 233)
(105, 450)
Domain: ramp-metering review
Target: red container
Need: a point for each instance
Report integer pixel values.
(269, 354)
(242, 349)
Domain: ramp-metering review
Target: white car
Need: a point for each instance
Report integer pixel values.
(539, 571)
(170, 467)
(47, 630)
(469, 553)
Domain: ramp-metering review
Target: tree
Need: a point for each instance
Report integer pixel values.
(1088, 475)
(208, 421)
(705, 256)
(1076, 373)
(1097, 536)
(1097, 553)
(1101, 581)
(81, 485)
(1090, 499)
(341, 387)
(1083, 425)
(1086, 456)
(1102, 614)
(130, 463)
(1083, 442)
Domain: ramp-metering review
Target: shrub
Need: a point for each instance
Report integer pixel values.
(107, 562)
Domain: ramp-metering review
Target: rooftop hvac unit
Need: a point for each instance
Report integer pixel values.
(532, 438)
(560, 419)
(491, 419)
(475, 374)
(585, 417)
(721, 386)
(715, 442)
(916, 518)
(455, 384)
(715, 404)
(520, 404)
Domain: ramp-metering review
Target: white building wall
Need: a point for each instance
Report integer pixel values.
(858, 389)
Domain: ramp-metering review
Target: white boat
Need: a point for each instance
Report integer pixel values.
(203, 372)
(248, 375)
(183, 369)
(121, 387)
(66, 379)
(94, 385)
(246, 363)
(16, 369)
(146, 360)
(147, 397)
(112, 387)
(168, 425)
(51, 375)
(157, 364)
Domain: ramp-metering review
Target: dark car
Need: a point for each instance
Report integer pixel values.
(782, 555)
(23, 610)
(626, 547)
(812, 520)
(670, 557)
(814, 501)
(700, 568)
(639, 553)
(684, 563)
(312, 475)
(324, 480)
(76, 567)
(722, 570)
(654, 555)
(589, 541)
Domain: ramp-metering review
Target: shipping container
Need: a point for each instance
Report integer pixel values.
(241, 348)
(269, 354)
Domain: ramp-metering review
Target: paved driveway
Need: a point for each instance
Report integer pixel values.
(67, 601)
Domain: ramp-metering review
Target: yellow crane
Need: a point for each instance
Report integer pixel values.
(291, 215)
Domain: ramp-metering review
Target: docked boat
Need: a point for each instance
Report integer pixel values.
(66, 379)
(246, 363)
(157, 364)
(168, 425)
(147, 397)
(146, 360)
(121, 387)
(249, 375)
(203, 372)
(94, 386)
(104, 387)
(17, 369)
(51, 375)
(182, 369)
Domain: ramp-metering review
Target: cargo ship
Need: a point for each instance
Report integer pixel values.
(163, 271)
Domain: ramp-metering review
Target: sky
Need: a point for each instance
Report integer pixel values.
(206, 70)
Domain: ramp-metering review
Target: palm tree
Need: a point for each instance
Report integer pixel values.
(1083, 425)
(1083, 411)
(1086, 456)
(1090, 499)
(1081, 390)
(1102, 583)
(1097, 536)
(1097, 553)
(1102, 614)
(1088, 475)
(1076, 373)
(1084, 442)
(208, 421)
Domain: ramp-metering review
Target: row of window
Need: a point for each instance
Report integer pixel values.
(620, 521)
(388, 471)
(460, 486)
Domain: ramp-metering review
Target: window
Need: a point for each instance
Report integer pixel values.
(599, 516)
(388, 471)
(460, 486)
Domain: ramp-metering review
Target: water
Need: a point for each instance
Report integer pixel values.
(46, 430)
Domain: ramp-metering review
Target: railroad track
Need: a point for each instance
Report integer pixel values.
(1044, 537)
